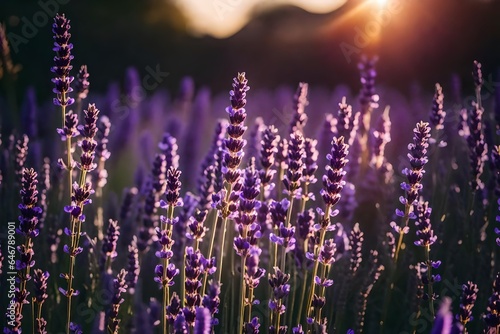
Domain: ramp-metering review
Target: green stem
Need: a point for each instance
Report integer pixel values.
(166, 289)
(302, 294)
(250, 301)
(406, 218)
(316, 262)
(223, 241)
(210, 249)
(242, 301)
(429, 279)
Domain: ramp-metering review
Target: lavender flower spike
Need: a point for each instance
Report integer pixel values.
(120, 286)
(438, 113)
(237, 115)
(333, 179)
(300, 102)
(82, 83)
(88, 144)
(469, 295)
(62, 60)
(28, 228)
(40, 283)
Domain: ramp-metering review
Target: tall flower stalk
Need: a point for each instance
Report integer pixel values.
(40, 282)
(165, 272)
(425, 239)
(224, 201)
(62, 81)
(80, 197)
(246, 243)
(418, 158)
(333, 183)
(28, 228)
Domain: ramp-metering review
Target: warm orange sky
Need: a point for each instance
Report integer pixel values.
(222, 18)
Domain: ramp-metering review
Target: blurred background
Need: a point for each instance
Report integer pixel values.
(418, 41)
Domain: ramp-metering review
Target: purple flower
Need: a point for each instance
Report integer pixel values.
(30, 213)
(173, 189)
(173, 308)
(333, 179)
(253, 273)
(88, 144)
(344, 120)
(310, 163)
(492, 315)
(418, 159)
(75, 328)
(62, 61)
(21, 149)
(171, 272)
(82, 83)
(438, 113)
(169, 147)
(233, 145)
(295, 164)
(109, 245)
(327, 252)
(195, 266)
(285, 237)
(202, 324)
(133, 267)
(279, 211)
(368, 98)
(381, 137)
(180, 325)
(355, 244)
(70, 129)
(425, 234)
(40, 285)
(120, 286)
(300, 103)
(478, 149)
(211, 300)
(268, 150)
(467, 300)
(252, 327)
(477, 74)
(196, 229)
(79, 198)
(444, 320)
(280, 287)
(305, 225)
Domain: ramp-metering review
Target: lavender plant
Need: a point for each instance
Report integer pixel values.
(330, 266)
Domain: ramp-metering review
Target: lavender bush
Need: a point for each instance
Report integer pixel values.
(242, 238)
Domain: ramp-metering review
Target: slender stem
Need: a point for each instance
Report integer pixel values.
(242, 301)
(278, 317)
(316, 262)
(225, 213)
(166, 289)
(183, 279)
(322, 290)
(406, 218)
(33, 314)
(250, 301)
(210, 249)
(223, 242)
(302, 294)
(429, 279)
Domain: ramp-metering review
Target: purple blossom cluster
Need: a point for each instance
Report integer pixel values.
(207, 234)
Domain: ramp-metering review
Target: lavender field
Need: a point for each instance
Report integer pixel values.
(286, 210)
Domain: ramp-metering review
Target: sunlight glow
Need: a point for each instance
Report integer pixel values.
(223, 18)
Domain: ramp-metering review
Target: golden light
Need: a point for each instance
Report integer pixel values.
(222, 18)
(381, 3)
